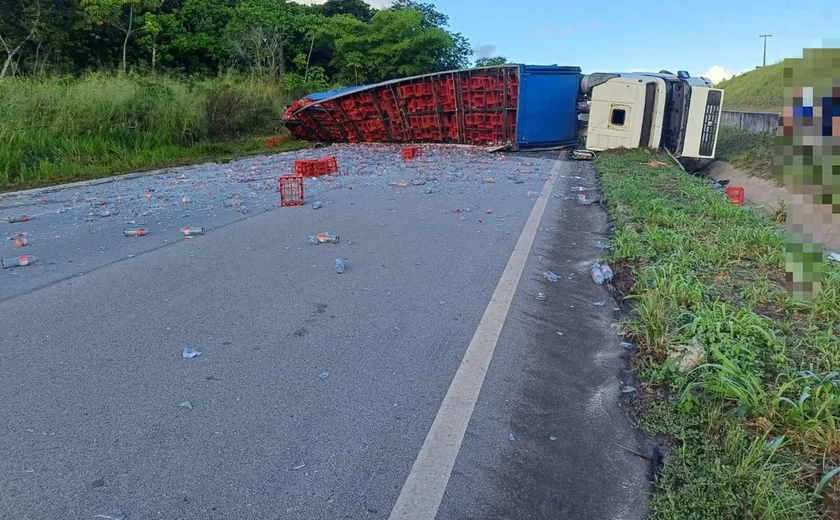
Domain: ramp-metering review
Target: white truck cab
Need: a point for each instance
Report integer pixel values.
(632, 110)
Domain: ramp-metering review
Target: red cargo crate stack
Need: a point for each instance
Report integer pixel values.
(291, 190)
(411, 152)
(316, 168)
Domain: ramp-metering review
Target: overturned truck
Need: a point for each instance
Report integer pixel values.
(521, 107)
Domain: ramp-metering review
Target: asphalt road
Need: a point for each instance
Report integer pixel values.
(314, 391)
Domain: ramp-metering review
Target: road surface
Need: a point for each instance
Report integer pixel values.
(427, 381)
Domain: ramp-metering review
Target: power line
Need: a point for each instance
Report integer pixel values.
(765, 36)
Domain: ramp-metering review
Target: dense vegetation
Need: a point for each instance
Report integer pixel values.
(303, 47)
(752, 423)
(93, 87)
(760, 90)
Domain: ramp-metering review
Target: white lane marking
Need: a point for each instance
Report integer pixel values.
(423, 489)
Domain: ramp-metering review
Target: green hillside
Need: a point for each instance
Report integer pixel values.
(759, 90)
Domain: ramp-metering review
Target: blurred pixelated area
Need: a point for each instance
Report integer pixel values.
(807, 161)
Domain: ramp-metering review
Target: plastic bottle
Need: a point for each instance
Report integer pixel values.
(540, 297)
(106, 212)
(192, 232)
(139, 232)
(339, 266)
(317, 204)
(21, 241)
(551, 276)
(323, 238)
(20, 218)
(597, 276)
(607, 272)
(582, 200)
(19, 261)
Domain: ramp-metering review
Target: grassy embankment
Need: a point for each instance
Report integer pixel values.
(760, 90)
(63, 129)
(753, 430)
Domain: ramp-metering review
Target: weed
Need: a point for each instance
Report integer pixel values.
(712, 273)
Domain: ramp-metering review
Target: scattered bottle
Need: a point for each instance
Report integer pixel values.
(597, 276)
(582, 200)
(186, 200)
(551, 276)
(317, 204)
(19, 261)
(107, 212)
(19, 218)
(339, 266)
(607, 272)
(540, 297)
(323, 238)
(21, 241)
(192, 232)
(139, 232)
(399, 184)
(419, 182)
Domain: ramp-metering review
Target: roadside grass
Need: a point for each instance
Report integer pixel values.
(759, 90)
(61, 129)
(750, 152)
(753, 428)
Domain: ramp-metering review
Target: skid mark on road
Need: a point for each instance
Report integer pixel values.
(423, 490)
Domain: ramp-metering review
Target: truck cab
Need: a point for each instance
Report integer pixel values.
(631, 110)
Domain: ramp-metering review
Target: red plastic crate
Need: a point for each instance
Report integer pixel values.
(271, 142)
(411, 152)
(291, 190)
(316, 168)
(735, 194)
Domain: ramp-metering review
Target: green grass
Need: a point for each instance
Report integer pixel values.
(750, 152)
(753, 429)
(760, 90)
(60, 129)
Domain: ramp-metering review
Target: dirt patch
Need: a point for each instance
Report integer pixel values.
(624, 279)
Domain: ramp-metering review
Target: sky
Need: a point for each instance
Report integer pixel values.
(707, 37)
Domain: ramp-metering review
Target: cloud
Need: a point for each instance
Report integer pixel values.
(484, 50)
(718, 73)
(379, 4)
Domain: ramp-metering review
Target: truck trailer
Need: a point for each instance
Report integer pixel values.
(521, 107)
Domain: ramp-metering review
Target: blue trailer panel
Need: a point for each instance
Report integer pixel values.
(547, 115)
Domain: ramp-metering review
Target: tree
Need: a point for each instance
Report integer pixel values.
(490, 62)
(113, 13)
(18, 23)
(457, 56)
(358, 9)
(396, 43)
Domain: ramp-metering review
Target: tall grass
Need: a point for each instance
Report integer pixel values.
(759, 90)
(711, 274)
(61, 128)
(751, 152)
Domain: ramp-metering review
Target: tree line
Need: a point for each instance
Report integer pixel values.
(308, 47)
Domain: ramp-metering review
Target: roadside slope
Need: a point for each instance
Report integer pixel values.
(753, 430)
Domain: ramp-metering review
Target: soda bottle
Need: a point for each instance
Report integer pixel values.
(18, 261)
(607, 272)
(597, 276)
(339, 266)
(139, 232)
(192, 232)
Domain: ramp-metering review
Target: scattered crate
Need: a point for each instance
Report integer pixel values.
(271, 142)
(735, 194)
(411, 152)
(316, 168)
(291, 190)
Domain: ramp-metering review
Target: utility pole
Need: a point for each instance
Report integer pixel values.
(765, 36)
